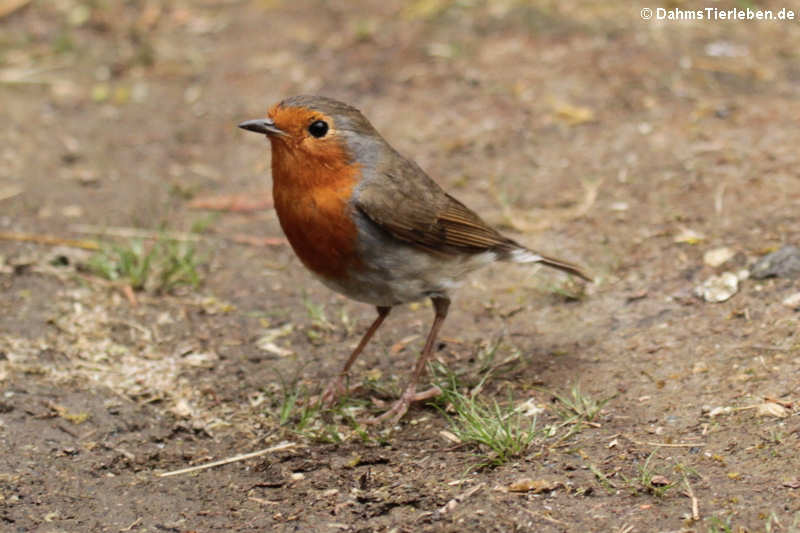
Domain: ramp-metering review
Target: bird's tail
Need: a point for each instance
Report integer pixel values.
(523, 255)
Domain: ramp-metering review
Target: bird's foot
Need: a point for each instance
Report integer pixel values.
(400, 407)
(336, 389)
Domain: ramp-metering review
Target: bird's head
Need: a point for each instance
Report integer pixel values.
(307, 131)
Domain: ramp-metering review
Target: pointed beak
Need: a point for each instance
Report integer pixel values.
(262, 125)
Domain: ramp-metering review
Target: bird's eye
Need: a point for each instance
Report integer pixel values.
(318, 128)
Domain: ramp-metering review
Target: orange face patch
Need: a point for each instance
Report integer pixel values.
(295, 121)
(313, 180)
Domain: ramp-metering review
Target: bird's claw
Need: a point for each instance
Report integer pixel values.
(336, 389)
(401, 406)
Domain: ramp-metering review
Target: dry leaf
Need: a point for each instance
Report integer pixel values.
(66, 414)
(793, 301)
(534, 485)
(266, 341)
(9, 6)
(772, 409)
(401, 344)
(72, 211)
(450, 436)
(689, 236)
(787, 404)
(720, 411)
(574, 115)
(425, 9)
(529, 408)
(236, 203)
(717, 256)
(182, 408)
(10, 191)
(449, 506)
(201, 359)
(273, 348)
(659, 481)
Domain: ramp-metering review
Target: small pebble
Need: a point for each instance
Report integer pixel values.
(718, 256)
(793, 301)
(785, 263)
(718, 288)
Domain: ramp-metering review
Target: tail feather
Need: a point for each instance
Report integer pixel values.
(523, 255)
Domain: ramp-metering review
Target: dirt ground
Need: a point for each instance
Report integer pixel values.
(633, 147)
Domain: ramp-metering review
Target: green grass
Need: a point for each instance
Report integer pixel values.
(720, 525)
(298, 412)
(320, 327)
(159, 266)
(576, 410)
(578, 406)
(643, 481)
(500, 433)
(301, 413)
(724, 524)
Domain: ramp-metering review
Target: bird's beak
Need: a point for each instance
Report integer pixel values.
(262, 125)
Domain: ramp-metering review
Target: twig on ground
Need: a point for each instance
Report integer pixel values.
(9, 6)
(545, 517)
(10, 192)
(601, 476)
(133, 525)
(254, 240)
(131, 233)
(449, 506)
(664, 444)
(783, 403)
(136, 233)
(235, 203)
(127, 290)
(695, 506)
(760, 347)
(48, 239)
(242, 457)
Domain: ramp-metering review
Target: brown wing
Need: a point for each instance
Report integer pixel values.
(404, 201)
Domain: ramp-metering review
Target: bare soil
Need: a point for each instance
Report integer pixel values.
(579, 128)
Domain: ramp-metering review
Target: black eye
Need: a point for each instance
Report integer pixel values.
(318, 129)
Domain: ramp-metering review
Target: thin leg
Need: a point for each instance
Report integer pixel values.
(336, 386)
(440, 306)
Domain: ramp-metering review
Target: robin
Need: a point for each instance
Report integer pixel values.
(370, 223)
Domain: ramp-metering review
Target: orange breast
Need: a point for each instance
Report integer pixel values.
(312, 202)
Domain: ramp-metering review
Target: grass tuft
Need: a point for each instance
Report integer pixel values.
(644, 480)
(579, 406)
(500, 432)
(300, 413)
(159, 267)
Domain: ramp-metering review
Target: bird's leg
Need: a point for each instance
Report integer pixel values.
(440, 306)
(336, 386)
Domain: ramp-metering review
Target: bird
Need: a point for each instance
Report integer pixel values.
(370, 224)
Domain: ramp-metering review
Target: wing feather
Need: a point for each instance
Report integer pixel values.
(412, 207)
